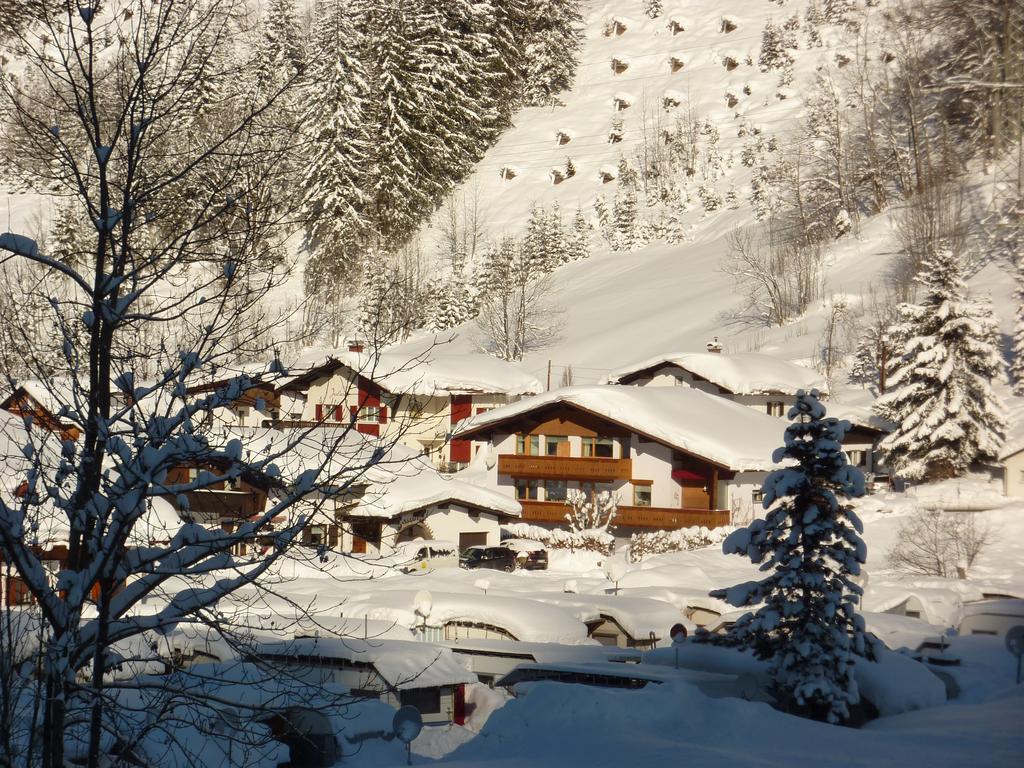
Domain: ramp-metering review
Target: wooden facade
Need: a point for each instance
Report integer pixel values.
(21, 403)
(547, 444)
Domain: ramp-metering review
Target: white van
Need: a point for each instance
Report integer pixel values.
(425, 555)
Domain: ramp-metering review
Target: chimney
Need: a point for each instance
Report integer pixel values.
(714, 346)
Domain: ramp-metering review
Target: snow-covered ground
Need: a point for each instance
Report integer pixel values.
(560, 724)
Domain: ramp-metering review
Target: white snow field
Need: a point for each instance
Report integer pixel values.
(559, 724)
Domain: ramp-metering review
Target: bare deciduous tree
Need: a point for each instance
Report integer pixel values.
(184, 226)
(934, 542)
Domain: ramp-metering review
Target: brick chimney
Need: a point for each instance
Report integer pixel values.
(714, 346)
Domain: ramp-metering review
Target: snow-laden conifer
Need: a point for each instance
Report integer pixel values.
(810, 546)
(940, 393)
(1017, 361)
(336, 146)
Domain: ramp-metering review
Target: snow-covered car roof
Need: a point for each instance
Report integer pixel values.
(716, 429)
(441, 374)
(523, 545)
(743, 373)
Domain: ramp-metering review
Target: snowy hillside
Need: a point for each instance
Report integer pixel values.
(621, 307)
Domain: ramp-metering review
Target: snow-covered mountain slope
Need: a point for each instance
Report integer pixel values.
(620, 307)
(647, 47)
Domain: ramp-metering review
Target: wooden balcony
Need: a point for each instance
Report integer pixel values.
(666, 518)
(565, 468)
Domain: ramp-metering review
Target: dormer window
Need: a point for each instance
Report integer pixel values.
(776, 408)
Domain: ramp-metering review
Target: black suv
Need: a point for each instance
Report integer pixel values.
(492, 558)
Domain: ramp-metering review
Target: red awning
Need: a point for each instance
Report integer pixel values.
(685, 474)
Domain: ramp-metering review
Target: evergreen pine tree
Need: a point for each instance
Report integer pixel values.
(552, 49)
(654, 8)
(578, 240)
(336, 147)
(941, 399)
(810, 540)
(771, 47)
(281, 57)
(72, 237)
(1017, 361)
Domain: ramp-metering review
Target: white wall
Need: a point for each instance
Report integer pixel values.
(1013, 475)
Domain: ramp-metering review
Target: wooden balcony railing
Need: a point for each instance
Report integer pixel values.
(667, 518)
(565, 468)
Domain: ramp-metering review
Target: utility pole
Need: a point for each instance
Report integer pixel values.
(548, 388)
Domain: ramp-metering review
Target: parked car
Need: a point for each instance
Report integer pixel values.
(492, 558)
(530, 555)
(425, 555)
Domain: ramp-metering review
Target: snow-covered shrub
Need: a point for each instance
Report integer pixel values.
(809, 544)
(594, 513)
(643, 545)
(592, 540)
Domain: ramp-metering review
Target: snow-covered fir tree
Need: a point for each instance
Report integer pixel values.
(774, 54)
(941, 400)
(810, 543)
(552, 50)
(336, 148)
(281, 56)
(1017, 360)
(578, 239)
(654, 8)
(449, 303)
(69, 234)
(625, 209)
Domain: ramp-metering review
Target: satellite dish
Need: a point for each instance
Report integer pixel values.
(614, 570)
(407, 724)
(1015, 641)
(423, 603)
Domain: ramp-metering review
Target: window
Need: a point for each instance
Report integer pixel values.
(528, 445)
(556, 445)
(776, 408)
(641, 495)
(241, 413)
(369, 413)
(426, 700)
(757, 496)
(554, 490)
(526, 489)
(317, 534)
(598, 447)
(858, 458)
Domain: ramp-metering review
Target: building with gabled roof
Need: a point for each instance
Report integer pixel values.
(675, 456)
(753, 379)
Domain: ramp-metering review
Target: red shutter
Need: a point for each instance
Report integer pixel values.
(339, 413)
(383, 414)
(353, 411)
(462, 407)
(319, 412)
(459, 715)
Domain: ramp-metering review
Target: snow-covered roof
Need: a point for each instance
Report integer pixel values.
(404, 665)
(525, 619)
(394, 478)
(713, 428)
(443, 374)
(743, 373)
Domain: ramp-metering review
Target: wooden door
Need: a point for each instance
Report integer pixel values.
(695, 494)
